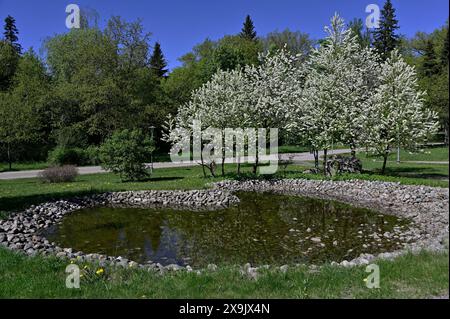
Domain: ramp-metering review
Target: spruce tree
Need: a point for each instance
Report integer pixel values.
(444, 54)
(430, 65)
(157, 61)
(11, 33)
(385, 38)
(248, 30)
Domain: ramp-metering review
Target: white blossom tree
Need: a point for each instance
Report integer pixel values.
(340, 78)
(218, 104)
(318, 121)
(253, 97)
(273, 88)
(396, 116)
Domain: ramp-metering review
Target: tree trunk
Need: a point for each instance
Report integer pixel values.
(316, 158)
(353, 148)
(239, 165)
(223, 163)
(203, 163)
(223, 153)
(212, 168)
(255, 166)
(385, 156)
(325, 162)
(446, 134)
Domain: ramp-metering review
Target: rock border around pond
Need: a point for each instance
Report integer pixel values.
(426, 207)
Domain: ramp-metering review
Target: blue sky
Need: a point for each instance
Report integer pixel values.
(180, 24)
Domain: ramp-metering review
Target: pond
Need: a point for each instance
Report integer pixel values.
(263, 229)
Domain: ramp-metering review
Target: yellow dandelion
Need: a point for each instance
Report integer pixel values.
(100, 271)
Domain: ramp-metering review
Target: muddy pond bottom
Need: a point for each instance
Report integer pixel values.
(263, 229)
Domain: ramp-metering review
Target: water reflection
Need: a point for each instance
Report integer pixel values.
(262, 229)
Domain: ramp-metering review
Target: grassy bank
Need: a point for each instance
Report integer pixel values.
(410, 276)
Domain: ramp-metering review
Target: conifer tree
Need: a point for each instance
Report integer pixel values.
(444, 54)
(11, 33)
(248, 30)
(385, 38)
(430, 65)
(158, 62)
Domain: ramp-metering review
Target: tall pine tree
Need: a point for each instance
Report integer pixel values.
(11, 33)
(248, 30)
(385, 38)
(157, 61)
(430, 65)
(445, 49)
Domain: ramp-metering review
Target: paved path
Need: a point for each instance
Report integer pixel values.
(295, 157)
(421, 162)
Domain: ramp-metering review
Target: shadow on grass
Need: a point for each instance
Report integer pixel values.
(21, 202)
(159, 179)
(411, 172)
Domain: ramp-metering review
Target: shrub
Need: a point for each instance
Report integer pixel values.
(59, 174)
(125, 153)
(67, 156)
(92, 155)
(74, 156)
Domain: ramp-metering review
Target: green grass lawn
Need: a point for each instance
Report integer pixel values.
(409, 276)
(4, 167)
(428, 154)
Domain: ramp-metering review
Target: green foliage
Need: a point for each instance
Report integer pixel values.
(157, 61)
(445, 48)
(11, 33)
(92, 155)
(233, 52)
(8, 64)
(385, 37)
(63, 155)
(22, 108)
(430, 64)
(102, 79)
(228, 53)
(363, 35)
(429, 53)
(295, 42)
(125, 153)
(248, 30)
